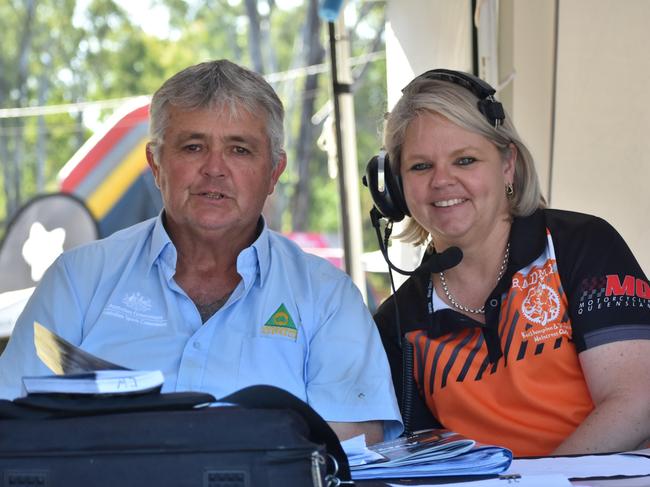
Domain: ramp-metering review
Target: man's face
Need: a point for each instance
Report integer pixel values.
(214, 172)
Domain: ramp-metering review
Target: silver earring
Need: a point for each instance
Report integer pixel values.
(510, 191)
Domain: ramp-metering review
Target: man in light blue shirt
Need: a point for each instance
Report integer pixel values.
(205, 292)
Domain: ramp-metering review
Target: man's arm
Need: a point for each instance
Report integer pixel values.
(348, 378)
(374, 430)
(618, 378)
(55, 305)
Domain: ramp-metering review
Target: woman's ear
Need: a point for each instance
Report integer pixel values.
(509, 163)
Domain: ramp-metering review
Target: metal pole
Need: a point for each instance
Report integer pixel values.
(346, 146)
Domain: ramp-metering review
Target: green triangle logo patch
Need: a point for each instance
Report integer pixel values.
(280, 323)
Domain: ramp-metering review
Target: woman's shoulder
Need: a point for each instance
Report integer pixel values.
(572, 218)
(409, 302)
(588, 242)
(583, 226)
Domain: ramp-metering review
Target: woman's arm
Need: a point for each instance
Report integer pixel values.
(618, 378)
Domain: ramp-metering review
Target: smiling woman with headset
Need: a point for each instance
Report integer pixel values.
(524, 326)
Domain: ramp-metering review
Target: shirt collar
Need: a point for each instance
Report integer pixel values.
(252, 261)
(527, 239)
(255, 260)
(161, 245)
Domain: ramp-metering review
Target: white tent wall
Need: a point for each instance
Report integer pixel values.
(421, 35)
(578, 97)
(527, 51)
(601, 158)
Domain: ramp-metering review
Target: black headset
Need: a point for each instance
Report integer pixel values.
(384, 186)
(389, 203)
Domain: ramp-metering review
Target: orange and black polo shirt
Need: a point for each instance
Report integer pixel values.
(571, 284)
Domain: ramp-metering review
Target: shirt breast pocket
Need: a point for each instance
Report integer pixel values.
(273, 360)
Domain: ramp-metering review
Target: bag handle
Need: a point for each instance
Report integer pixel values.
(271, 397)
(44, 406)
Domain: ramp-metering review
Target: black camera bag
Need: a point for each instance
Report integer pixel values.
(260, 436)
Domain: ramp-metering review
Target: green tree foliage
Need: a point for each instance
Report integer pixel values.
(54, 52)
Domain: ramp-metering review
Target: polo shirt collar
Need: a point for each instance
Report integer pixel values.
(255, 260)
(527, 239)
(251, 262)
(161, 245)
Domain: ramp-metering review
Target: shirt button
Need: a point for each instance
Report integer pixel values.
(197, 345)
(494, 303)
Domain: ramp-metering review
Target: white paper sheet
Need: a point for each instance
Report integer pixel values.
(554, 480)
(357, 452)
(585, 466)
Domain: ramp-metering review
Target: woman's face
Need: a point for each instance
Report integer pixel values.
(454, 181)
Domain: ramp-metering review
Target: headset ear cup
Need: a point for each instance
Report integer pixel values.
(385, 190)
(397, 190)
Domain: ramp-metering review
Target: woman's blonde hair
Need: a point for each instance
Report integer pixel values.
(459, 105)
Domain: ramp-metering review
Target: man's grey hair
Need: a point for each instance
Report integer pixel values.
(217, 84)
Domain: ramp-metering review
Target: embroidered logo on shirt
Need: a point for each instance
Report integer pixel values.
(135, 309)
(542, 305)
(281, 323)
(613, 291)
(537, 294)
(137, 302)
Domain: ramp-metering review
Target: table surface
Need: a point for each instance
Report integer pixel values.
(609, 482)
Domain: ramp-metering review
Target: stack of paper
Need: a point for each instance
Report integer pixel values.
(98, 382)
(62, 357)
(430, 453)
(79, 372)
(358, 453)
(602, 465)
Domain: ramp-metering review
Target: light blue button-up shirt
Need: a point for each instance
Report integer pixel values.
(294, 321)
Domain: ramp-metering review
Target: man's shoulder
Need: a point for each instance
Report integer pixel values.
(112, 246)
(291, 254)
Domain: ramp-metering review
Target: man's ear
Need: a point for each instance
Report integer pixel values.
(152, 163)
(277, 171)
